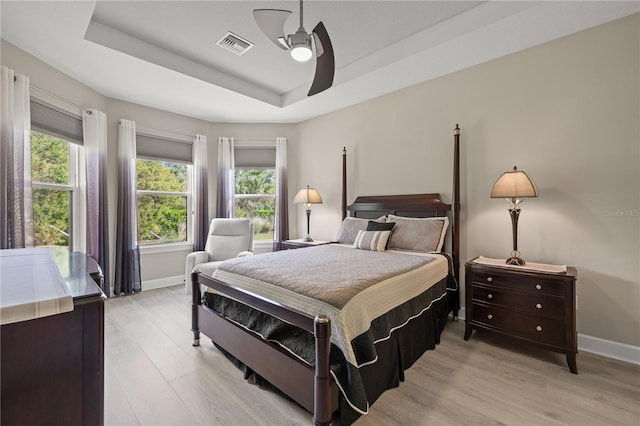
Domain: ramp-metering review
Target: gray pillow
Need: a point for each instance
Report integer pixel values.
(350, 227)
(418, 234)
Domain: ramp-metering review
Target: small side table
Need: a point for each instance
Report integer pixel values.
(301, 243)
(535, 308)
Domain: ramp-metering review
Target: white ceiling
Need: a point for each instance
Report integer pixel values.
(163, 53)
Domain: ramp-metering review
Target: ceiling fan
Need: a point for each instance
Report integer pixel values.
(271, 22)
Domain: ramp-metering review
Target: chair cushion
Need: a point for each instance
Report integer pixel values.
(228, 237)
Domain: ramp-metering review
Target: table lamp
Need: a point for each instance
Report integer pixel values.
(514, 186)
(308, 196)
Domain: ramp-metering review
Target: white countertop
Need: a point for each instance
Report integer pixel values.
(31, 285)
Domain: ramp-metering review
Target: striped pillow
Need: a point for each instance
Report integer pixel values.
(372, 240)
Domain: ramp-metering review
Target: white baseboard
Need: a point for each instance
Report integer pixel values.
(609, 348)
(162, 282)
(598, 346)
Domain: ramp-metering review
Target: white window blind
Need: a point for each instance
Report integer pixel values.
(53, 120)
(251, 157)
(158, 148)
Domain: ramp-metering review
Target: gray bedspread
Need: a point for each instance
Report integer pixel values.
(368, 296)
(333, 274)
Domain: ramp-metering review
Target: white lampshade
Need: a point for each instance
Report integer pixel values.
(514, 184)
(308, 195)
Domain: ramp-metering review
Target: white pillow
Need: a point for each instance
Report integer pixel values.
(425, 234)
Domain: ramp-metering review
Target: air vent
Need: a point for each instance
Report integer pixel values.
(234, 43)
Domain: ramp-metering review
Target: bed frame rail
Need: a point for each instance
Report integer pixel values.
(288, 373)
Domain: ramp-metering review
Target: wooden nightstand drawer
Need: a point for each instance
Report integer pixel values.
(534, 307)
(538, 328)
(536, 304)
(525, 282)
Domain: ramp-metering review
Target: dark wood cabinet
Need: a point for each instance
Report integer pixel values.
(536, 308)
(52, 369)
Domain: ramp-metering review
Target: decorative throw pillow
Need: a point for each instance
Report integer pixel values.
(380, 226)
(372, 240)
(377, 226)
(418, 234)
(350, 227)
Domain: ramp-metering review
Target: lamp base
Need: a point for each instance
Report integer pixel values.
(515, 261)
(308, 239)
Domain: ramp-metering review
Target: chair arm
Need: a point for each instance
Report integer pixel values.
(245, 253)
(193, 259)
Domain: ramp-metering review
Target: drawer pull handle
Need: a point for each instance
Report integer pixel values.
(538, 328)
(490, 316)
(489, 279)
(538, 287)
(538, 305)
(489, 296)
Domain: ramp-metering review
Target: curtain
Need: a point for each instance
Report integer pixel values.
(225, 205)
(282, 198)
(127, 251)
(200, 191)
(95, 144)
(16, 203)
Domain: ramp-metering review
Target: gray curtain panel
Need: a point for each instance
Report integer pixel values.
(94, 125)
(16, 204)
(200, 191)
(282, 197)
(226, 178)
(127, 252)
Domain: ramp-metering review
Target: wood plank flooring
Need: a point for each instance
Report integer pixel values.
(153, 376)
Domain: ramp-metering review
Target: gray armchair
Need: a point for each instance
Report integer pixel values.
(228, 238)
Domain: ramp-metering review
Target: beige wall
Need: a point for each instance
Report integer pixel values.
(566, 112)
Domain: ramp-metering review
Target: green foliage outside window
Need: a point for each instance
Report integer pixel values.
(255, 198)
(162, 218)
(51, 207)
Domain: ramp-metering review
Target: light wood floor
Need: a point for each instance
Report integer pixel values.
(153, 376)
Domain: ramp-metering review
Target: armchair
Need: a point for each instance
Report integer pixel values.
(228, 238)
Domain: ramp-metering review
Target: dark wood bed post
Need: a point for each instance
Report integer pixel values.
(455, 210)
(344, 183)
(195, 302)
(322, 414)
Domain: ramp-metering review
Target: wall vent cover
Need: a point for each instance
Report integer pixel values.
(234, 43)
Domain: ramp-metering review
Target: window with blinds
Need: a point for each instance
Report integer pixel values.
(255, 187)
(163, 173)
(56, 139)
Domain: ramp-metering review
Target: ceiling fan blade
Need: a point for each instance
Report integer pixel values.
(271, 22)
(325, 62)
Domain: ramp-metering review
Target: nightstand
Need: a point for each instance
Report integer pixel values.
(301, 243)
(536, 308)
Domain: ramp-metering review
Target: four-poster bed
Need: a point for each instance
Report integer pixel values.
(335, 348)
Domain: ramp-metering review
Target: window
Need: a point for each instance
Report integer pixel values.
(57, 161)
(54, 165)
(255, 198)
(163, 201)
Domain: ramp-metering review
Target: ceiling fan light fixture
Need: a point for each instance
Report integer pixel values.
(301, 53)
(300, 45)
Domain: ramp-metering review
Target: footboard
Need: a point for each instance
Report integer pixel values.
(313, 388)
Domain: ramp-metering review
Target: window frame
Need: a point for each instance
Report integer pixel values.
(261, 244)
(188, 193)
(73, 186)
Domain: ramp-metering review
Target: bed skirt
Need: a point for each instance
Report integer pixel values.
(404, 346)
